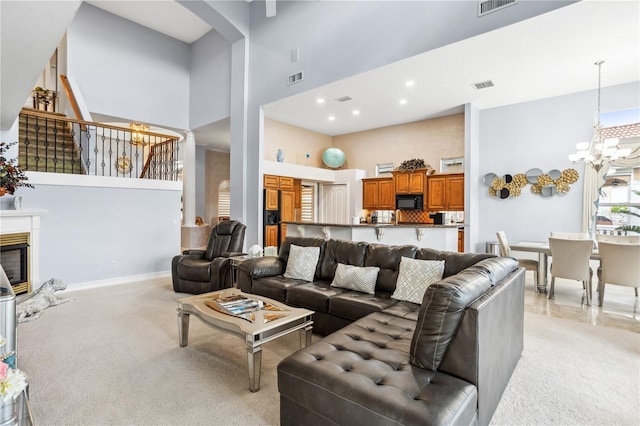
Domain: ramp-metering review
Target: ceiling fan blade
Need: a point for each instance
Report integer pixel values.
(270, 6)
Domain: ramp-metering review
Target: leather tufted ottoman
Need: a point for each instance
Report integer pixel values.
(361, 375)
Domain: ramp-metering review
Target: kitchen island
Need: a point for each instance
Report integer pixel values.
(439, 237)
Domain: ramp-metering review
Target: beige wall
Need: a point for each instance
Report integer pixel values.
(430, 140)
(296, 142)
(217, 170)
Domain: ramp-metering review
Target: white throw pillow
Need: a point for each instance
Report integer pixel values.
(302, 262)
(414, 276)
(356, 278)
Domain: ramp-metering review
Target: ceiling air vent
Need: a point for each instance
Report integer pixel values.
(343, 99)
(483, 84)
(295, 78)
(489, 6)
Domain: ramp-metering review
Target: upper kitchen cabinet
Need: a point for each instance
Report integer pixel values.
(445, 192)
(410, 182)
(278, 182)
(378, 194)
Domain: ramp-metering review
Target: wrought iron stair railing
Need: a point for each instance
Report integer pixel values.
(52, 142)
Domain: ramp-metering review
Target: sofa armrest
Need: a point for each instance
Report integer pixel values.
(233, 254)
(489, 342)
(198, 253)
(258, 267)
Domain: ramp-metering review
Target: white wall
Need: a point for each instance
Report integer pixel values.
(129, 71)
(341, 39)
(539, 134)
(86, 227)
(210, 84)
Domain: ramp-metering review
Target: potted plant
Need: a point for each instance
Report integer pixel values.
(42, 96)
(11, 176)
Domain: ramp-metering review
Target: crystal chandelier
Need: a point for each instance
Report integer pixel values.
(598, 152)
(137, 138)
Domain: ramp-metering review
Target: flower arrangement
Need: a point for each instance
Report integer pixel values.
(12, 380)
(11, 176)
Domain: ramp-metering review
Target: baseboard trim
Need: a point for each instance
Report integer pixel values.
(88, 285)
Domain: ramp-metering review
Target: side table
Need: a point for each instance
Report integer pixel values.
(235, 263)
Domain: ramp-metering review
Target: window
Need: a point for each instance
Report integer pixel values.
(224, 201)
(619, 202)
(619, 208)
(307, 211)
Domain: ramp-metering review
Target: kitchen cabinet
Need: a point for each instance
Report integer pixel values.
(378, 194)
(271, 199)
(460, 240)
(284, 194)
(445, 192)
(285, 183)
(410, 182)
(270, 181)
(287, 206)
(297, 188)
(277, 182)
(271, 235)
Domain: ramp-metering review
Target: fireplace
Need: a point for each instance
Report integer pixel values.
(14, 258)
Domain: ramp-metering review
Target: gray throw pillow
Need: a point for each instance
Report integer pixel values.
(414, 276)
(356, 278)
(302, 262)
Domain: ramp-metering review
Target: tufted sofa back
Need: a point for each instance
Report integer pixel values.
(387, 258)
(340, 251)
(285, 248)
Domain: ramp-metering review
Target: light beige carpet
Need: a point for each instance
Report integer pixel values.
(111, 357)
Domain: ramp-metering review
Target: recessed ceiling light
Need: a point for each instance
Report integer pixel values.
(320, 100)
(356, 112)
(331, 118)
(410, 83)
(403, 101)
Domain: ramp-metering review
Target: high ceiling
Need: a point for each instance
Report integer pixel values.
(546, 56)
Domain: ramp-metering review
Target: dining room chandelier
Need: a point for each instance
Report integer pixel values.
(598, 152)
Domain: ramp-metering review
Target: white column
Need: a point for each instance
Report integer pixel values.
(192, 236)
(189, 181)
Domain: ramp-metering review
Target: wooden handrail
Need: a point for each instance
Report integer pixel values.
(70, 95)
(147, 163)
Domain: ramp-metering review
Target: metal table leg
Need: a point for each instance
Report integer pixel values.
(542, 272)
(183, 328)
(254, 358)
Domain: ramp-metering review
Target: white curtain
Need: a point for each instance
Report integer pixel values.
(593, 182)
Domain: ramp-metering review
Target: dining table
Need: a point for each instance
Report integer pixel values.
(543, 250)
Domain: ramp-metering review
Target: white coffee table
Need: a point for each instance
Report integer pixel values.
(255, 334)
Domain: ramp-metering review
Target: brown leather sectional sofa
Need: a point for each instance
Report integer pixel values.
(446, 361)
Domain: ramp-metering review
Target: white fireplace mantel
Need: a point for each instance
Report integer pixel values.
(26, 220)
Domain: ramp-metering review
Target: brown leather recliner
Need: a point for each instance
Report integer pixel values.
(203, 271)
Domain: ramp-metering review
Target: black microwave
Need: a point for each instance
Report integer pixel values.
(409, 202)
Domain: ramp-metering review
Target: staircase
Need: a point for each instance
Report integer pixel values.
(46, 144)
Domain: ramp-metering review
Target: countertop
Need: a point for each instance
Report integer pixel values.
(377, 225)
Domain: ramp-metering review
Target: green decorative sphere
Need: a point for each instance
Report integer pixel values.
(333, 157)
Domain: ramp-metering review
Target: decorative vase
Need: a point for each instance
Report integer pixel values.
(280, 156)
(17, 202)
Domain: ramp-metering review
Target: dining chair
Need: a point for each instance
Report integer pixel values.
(571, 235)
(619, 264)
(527, 264)
(570, 260)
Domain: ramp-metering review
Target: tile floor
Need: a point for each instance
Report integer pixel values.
(621, 308)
